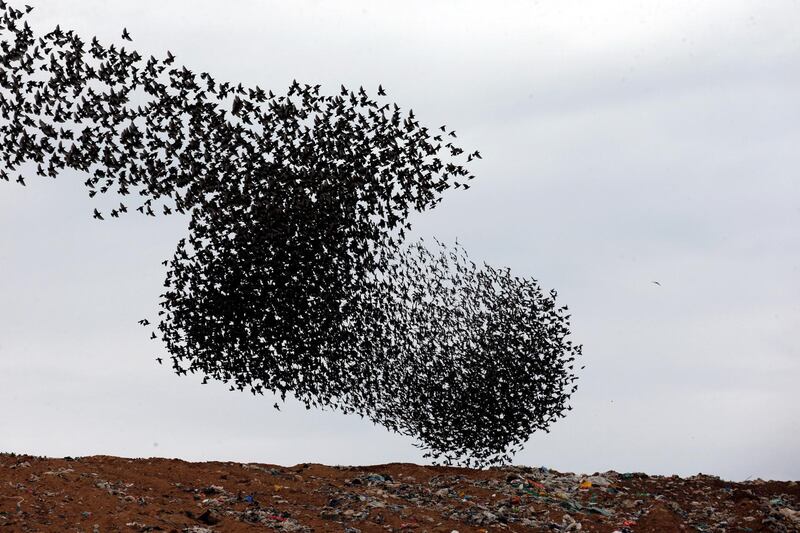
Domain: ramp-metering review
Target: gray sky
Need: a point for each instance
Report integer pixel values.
(623, 142)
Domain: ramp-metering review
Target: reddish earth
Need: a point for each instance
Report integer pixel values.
(105, 494)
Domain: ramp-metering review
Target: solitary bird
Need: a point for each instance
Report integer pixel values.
(126, 35)
(656, 283)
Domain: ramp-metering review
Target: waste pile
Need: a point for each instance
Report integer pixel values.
(101, 493)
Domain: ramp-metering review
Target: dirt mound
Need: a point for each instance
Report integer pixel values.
(101, 493)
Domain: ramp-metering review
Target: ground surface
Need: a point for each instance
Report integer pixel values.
(105, 494)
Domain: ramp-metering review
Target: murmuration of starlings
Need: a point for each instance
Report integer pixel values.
(296, 275)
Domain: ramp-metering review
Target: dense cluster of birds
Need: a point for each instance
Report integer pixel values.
(296, 275)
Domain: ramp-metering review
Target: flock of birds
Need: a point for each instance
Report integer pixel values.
(296, 275)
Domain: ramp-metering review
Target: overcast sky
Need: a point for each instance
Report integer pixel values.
(623, 143)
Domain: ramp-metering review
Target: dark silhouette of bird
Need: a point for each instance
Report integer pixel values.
(126, 35)
(98, 215)
(656, 283)
(381, 92)
(237, 105)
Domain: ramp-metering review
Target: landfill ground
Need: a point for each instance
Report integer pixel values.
(106, 494)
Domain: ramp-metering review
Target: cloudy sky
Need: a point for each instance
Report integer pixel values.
(623, 142)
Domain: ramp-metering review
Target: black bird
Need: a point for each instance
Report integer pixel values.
(98, 215)
(126, 35)
(21, 180)
(237, 105)
(381, 92)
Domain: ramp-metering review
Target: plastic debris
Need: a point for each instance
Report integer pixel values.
(509, 498)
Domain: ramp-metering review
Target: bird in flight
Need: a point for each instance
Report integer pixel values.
(656, 283)
(126, 35)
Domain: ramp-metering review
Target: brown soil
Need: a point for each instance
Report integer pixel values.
(104, 494)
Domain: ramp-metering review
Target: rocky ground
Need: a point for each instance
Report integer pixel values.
(105, 494)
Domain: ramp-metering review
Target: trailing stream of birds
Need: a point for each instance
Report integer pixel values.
(296, 276)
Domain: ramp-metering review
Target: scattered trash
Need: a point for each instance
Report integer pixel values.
(353, 499)
(209, 517)
(213, 489)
